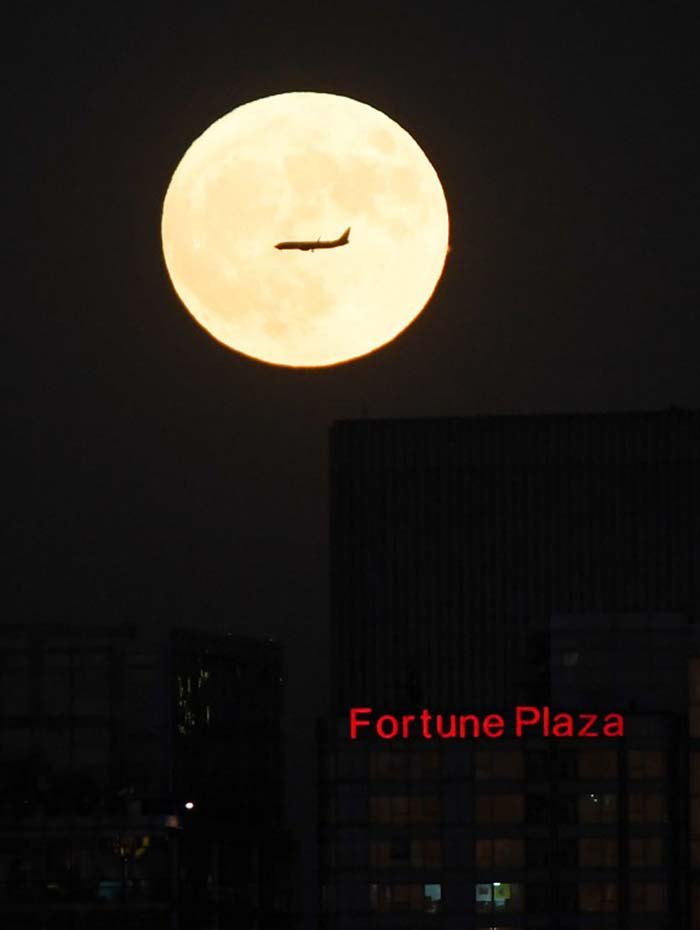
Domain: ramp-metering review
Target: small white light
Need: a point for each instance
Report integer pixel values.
(189, 805)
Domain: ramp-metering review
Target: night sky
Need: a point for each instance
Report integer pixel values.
(156, 476)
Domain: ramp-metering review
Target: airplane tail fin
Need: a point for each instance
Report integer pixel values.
(345, 238)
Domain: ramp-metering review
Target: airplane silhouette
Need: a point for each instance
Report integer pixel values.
(312, 246)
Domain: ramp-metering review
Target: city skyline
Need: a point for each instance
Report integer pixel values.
(155, 475)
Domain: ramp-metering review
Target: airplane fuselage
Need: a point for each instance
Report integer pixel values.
(318, 244)
(309, 246)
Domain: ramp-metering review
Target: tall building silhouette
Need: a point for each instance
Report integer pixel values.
(482, 563)
(141, 780)
(454, 541)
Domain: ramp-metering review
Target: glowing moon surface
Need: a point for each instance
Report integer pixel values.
(304, 166)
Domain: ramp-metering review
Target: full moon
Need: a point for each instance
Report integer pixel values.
(303, 167)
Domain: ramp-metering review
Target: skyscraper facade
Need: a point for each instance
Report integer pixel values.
(454, 541)
(482, 564)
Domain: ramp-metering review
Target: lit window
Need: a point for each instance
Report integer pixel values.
(483, 854)
(425, 810)
(498, 898)
(505, 853)
(386, 898)
(432, 896)
(508, 853)
(499, 808)
(484, 897)
(646, 763)
(597, 763)
(400, 810)
(645, 851)
(402, 851)
(597, 808)
(597, 852)
(494, 763)
(405, 897)
(647, 808)
(647, 896)
(597, 896)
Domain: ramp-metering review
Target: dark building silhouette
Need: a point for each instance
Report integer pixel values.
(479, 564)
(240, 863)
(140, 783)
(228, 725)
